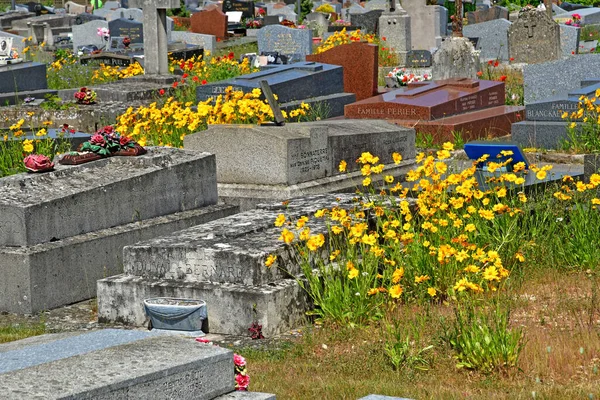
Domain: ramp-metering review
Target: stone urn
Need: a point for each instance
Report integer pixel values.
(176, 314)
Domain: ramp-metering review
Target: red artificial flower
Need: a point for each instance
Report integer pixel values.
(503, 78)
(161, 92)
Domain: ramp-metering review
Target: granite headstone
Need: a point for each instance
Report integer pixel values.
(294, 43)
(493, 38)
(534, 38)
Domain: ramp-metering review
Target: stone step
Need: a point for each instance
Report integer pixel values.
(475, 125)
(53, 274)
(14, 97)
(111, 364)
(179, 180)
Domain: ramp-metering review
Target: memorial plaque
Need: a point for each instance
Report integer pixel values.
(127, 28)
(418, 59)
(246, 7)
(111, 59)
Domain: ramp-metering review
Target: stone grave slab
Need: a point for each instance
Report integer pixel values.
(158, 367)
(544, 126)
(294, 43)
(589, 16)
(493, 38)
(7, 18)
(534, 38)
(475, 107)
(536, 77)
(213, 259)
(73, 8)
(125, 28)
(87, 34)
(23, 77)
(289, 82)
(360, 64)
(300, 152)
(48, 242)
(367, 20)
(487, 14)
(569, 40)
(209, 22)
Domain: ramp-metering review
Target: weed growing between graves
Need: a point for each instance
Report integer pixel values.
(560, 358)
(14, 332)
(13, 150)
(169, 123)
(585, 136)
(512, 78)
(458, 244)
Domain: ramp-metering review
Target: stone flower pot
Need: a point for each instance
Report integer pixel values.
(176, 314)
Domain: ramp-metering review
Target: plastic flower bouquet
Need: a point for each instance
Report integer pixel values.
(404, 77)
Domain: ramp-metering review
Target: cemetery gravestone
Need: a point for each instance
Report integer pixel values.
(383, 5)
(394, 25)
(534, 38)
(86, 17)
(360, 63)
(246, 7)
(368, 21)
(287, 13)
(155, 26)
(210, 22)
(427, 24)
(589, 16)
(87, 34)
(294, 43)
(74, 8)
(544, 126)
(493, 38)
(134, 30)
(488, 14)
(569, 40)
(470, 106)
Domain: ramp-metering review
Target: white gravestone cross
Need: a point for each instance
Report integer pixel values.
(156, 60)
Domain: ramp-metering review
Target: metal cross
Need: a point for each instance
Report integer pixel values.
(457, 22)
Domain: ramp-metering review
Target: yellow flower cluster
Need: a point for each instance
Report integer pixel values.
(439, 245)
(342, 37)
(218, 68)
(106, 73)
(168, 124)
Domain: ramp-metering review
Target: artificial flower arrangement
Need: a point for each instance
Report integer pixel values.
(404, 77)
(107, 141)
(325, 8)
(242, 379)
(85, 96)
(253, 24)
(340, 22)
(38, 163)
(576, 21)
(288, 23)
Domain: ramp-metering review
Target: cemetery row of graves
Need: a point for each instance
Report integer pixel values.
(318, 172)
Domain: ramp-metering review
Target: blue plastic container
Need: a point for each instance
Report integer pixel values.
(176, 314)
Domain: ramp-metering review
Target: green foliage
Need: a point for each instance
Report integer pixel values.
(318, 111)
(590, 32)
(182, 11)
(9, 333)
(305, 9)
(424, 140)
(515, 5)
(69, 76)
(54, 102)
(402, 347)
(483, 340)
(458, 140)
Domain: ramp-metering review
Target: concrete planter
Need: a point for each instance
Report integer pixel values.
(176, 314)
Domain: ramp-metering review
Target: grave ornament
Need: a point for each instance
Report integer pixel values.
(106, 142)
(8, 55)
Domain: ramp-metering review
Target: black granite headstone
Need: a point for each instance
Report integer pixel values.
(368, 22)
(572, 7)
(246, 7)
(127, 28)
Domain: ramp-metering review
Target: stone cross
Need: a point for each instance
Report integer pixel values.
(457, 23)
(530, 27)
(156, 61)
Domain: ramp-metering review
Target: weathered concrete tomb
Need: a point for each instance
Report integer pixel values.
(63, 230)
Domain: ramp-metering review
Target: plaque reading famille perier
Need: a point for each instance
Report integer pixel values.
(474, 107)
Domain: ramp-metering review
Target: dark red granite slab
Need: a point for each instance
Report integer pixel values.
(434, 100)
